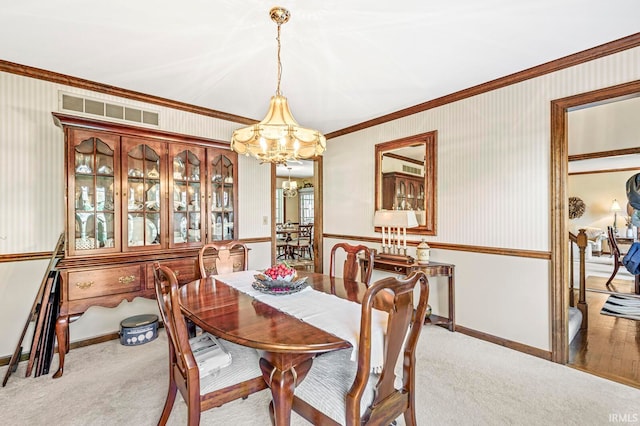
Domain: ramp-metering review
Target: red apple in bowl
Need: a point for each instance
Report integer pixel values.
(280, 272)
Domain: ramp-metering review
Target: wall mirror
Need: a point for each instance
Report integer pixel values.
(406, 179)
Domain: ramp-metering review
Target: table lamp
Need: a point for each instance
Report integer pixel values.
(615, 208)
(394, 224)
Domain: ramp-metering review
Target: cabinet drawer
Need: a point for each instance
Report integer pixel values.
(103, 282)
(404, 270)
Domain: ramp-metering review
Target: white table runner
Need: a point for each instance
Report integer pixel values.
(327, 312)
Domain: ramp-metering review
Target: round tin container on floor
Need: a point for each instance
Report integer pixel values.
(138, 329)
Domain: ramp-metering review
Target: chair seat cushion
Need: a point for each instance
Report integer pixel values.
(244, 366)
(301, 243)
(327, 383)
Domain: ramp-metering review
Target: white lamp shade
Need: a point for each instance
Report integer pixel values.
(289, 184)
(615, 206)
(395, 218)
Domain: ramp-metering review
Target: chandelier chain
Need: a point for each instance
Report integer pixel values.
(279, 63)
(278, 137)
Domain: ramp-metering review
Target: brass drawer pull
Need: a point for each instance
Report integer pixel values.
(84, 285)
(398, 268)
(210, 271)
(127, 280)
(177, 273)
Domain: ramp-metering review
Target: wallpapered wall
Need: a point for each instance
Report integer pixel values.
(32, 194)
(493, 191)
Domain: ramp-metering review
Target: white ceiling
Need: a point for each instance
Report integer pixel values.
(344, 62)
(297, 168)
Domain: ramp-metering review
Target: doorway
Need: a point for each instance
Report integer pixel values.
(297, 200)
(560, 110)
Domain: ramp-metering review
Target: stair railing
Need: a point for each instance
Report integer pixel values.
(581, 241)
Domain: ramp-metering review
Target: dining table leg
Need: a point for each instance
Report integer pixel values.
(62, 335)
(283, 372)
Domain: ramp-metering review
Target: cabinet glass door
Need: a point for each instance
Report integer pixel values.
(401, 195)
(411, 194)
(222, 202)
(93, 187)
(142, 167)
(186, 195)
(420, 198)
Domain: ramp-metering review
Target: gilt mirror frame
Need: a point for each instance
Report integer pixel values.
(394, 149)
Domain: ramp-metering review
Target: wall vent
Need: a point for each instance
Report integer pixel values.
(110, 110)
(412, 170)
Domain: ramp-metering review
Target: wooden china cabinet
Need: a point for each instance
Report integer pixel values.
(402, 191)
(135, 196)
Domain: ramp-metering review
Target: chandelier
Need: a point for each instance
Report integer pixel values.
(289, 188)
(278, 137)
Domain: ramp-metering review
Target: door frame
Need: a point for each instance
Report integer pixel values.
(559, 208)
(317, 213)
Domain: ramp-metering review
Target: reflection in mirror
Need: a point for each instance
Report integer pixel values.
(406, 179)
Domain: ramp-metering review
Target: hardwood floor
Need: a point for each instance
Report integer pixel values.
(610, 347)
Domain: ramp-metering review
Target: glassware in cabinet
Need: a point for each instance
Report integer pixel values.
(93, 187)
(186, 194)
(143, 191)
(222, 172)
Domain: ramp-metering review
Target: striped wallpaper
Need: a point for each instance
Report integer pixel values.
(493, 191)
(32, 162)
(32, 207)
(493, 160)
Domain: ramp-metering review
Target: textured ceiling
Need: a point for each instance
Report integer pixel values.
(344, 62)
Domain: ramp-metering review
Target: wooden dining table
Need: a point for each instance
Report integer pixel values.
(287, 344)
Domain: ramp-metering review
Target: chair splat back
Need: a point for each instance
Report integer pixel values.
(303, 244)
(402, 320)
(351, 264)
(167, 288)
(616, 254)
(615, 250)
(351, 393)
(224, 261)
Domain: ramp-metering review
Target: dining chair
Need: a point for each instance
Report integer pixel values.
(282, 238)
(281, 248)
(351, 267)
(224, 261)
(201, 390)
(615, 254)
(303, 244)
(338, 391)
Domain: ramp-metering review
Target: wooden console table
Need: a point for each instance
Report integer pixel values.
(432, 269)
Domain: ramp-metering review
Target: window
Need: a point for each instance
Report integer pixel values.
(279, 206)
(306, 205)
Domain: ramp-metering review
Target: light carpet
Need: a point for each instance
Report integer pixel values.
(460, 381)
(622, 306)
